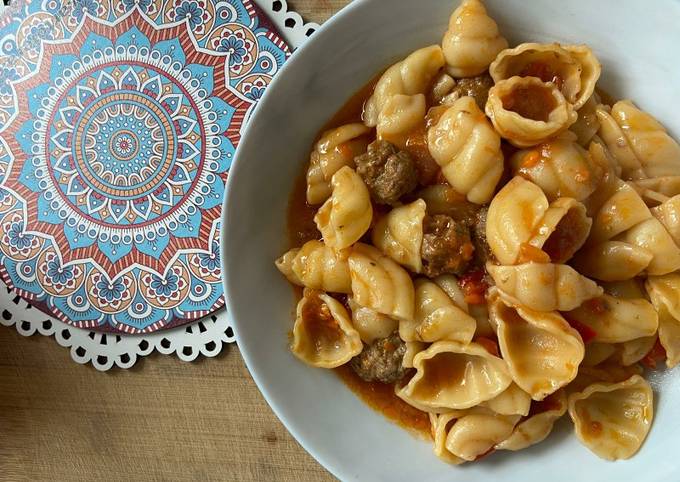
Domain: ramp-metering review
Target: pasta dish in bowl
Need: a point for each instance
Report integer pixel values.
(482, 242)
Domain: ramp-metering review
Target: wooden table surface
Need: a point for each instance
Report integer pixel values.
(162, 420)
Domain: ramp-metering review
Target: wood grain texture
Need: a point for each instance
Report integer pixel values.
(162, 420)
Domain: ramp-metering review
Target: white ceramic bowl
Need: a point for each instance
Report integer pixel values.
(637, 43)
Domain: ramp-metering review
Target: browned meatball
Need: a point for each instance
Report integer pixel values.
(388, 172)
(381, 360)
(447, 247)
(475, 87)
(482, 249)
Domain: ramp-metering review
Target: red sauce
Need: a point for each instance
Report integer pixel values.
(474, 287)
(586, 332)
(381, 397)
(534, 102)
(655, 355)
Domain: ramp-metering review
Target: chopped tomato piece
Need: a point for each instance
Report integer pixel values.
(586, 332)
(474, 287)
(596, 305)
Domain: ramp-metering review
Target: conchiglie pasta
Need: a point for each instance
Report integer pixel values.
(638, 142)
(323, 335)
(560, 167)
(411, 76)
(520, 220)
(468, 150)
(527, 111)
(665, 294)
(652, 236)
(399, 234)
(668, 213)
(472, 40)
(612, 261)
(587, 124)
(441, 424)
(512, 401)
(633, 351)
(336, 149)
(538, 426)
(347, 215)
(597, 353)
(616, 320)
(478, 432)
(380, 284)
(436, 317)
(412, 349)
(450, 284)
(613, 419)
(544, 287)
(400, 114)
(450, 375)
(542, 350)
(318, 267)
(573, 68)
(370, 324)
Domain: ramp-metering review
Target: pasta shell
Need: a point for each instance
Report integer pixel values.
(399, 234)
(285, 265)
(560, 167)
(346, 216)
(638, 142)
(527, 111)
(441, 424)
(411, 76)
(323, 335)
(652, 236)
(336, 149)
(437, 317)
(597, 353)
(613, 419)
(661, 188)
(612, 261)
(620, 212)
(400, 115)
(544, 287)
(635, 350)
(563, 230)
(468, 150)
(412, 349)
(538, 426)
(450, 375)
(513, 217)
(472, 40)
(665, 294)
(668, 213)
(380, 284)
(318, 267)
(370, 324)
(615, 320)
(476, 433)
(480, 313)
(587, 124)
(512, 401)
(573, 68)
(542, 350)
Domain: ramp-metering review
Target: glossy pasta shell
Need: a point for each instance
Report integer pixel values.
(664, 292)
(451, 375)
(542, 350)
(524, 131)
(472, 40)
(399, 234)
(322, 343)
(613, 419)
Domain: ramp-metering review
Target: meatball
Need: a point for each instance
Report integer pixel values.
(447, 247)
(482, 249)
(388, 172)
(475, 87)
(381, 360)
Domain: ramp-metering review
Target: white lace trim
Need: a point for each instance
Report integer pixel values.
(205, 337)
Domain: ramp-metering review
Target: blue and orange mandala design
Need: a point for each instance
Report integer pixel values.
(114, 161)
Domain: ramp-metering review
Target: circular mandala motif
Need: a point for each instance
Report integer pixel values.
(113, 198)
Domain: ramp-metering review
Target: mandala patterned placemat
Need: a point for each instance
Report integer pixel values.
(119, 122)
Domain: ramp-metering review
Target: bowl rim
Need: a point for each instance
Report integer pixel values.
(228, 214)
